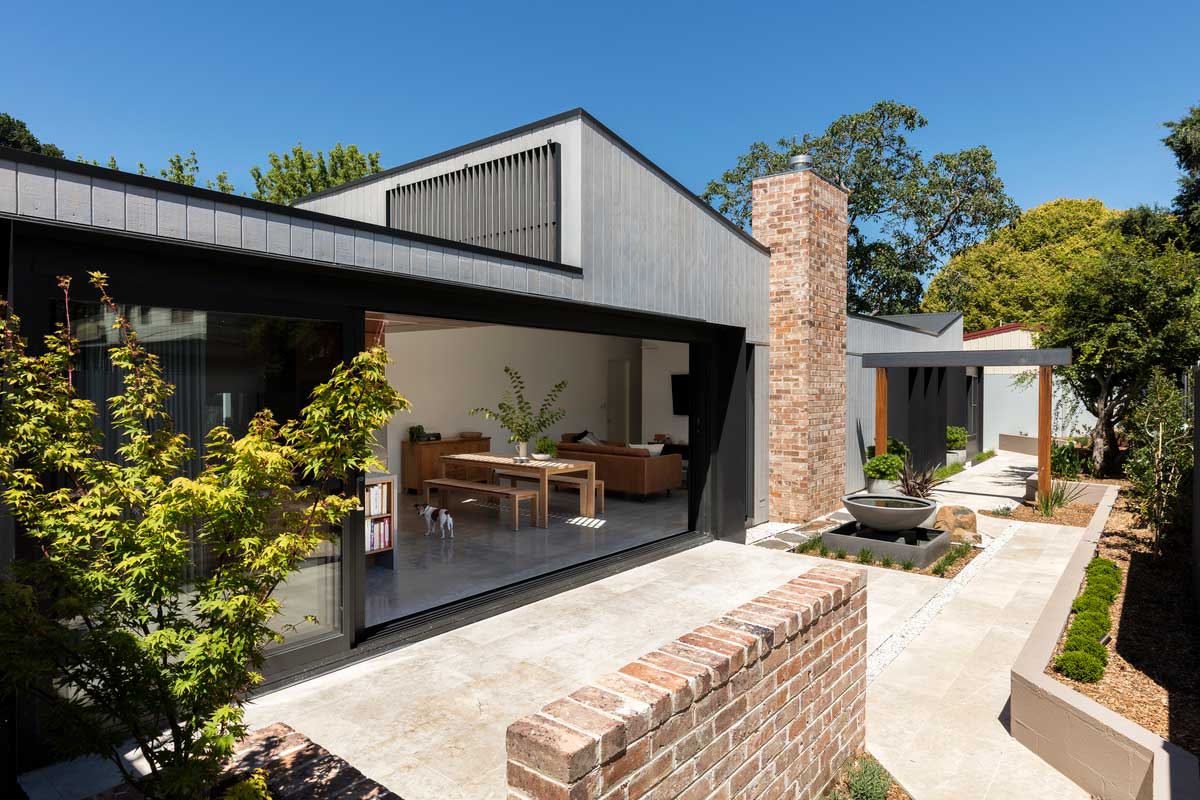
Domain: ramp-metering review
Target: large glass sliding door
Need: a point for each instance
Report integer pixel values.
(226, 368)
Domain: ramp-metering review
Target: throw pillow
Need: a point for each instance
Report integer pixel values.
(588, 438)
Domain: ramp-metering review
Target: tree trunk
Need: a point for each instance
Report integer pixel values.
(1104, 440)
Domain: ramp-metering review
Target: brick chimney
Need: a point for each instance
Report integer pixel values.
(802, 218)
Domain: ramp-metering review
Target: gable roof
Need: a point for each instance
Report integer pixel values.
(575, 113)
(932, 322)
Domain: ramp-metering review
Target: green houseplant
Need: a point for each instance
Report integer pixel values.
(882, 472)
(956, 437)
(108, 626)
(545, 446)
(516, 415)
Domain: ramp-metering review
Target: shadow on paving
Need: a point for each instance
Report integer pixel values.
(1159, 632)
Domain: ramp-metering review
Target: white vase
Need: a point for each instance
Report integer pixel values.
(523, 451)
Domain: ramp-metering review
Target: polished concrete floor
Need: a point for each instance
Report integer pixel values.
(486, 554)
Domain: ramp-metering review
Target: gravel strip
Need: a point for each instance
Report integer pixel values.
(894, 645)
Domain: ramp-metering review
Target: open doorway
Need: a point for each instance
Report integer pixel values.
(623, 433)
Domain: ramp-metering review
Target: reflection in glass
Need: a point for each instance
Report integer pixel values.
(225, 368)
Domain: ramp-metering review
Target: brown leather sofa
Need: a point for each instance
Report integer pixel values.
(627, 469)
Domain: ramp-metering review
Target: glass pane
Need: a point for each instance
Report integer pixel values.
(226, 368)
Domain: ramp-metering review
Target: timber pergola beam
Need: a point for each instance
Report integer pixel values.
(1045, 360)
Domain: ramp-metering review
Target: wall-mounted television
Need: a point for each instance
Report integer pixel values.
(681, 395)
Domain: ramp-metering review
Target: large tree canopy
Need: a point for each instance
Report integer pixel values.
(1184, 142)
(298, 173)
(1123, 316)
(15, 133)
(907, 214)
(1019, 273)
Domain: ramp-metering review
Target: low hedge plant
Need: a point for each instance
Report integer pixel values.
(886, 467)
(1083, 657)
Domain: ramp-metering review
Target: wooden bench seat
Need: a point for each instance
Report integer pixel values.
(557, 481)
(447, 485)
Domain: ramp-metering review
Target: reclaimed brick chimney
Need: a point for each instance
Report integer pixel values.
(802, 218)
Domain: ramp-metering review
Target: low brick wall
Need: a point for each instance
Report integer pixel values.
(767, 701)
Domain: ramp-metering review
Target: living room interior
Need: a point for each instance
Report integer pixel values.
(623, 409)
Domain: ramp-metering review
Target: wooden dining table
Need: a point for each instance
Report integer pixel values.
(541, 470)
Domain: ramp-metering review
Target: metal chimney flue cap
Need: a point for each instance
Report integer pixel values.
(801, 162)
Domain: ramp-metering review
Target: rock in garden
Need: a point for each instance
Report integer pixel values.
(960, 521)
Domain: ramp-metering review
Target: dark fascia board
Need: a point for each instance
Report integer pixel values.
(1048, 357)
(903, 325)
(575, 113)
(104, 173)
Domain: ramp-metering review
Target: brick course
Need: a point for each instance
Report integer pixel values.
(802, 218)
(766, 701)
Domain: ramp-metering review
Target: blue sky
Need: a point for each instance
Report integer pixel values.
(1069, 96)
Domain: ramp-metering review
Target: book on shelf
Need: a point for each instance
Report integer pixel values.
(379, 534)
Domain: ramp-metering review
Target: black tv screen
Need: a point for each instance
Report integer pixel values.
(681, 395)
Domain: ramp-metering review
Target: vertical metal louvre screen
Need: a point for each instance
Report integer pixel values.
(510, 204)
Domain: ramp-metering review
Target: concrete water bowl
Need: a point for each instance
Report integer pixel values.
(889, 525)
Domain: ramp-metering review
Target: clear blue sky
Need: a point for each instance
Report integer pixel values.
(1069, 96)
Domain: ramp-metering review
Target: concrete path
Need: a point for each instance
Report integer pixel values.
(999, 481)
(937, 715)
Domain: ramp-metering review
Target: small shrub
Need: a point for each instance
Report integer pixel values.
(887, 562)
(1093, 620)
(839, 553)
(983, 456)
(894, 447)
(868, 780)
(956, 438)
(809, 545)
(886, 467)
(1002, 511)
(907, 564)
(865, 556)
(546, 446)
(1089, 602)
(1161, 460)
(253, 788)
(955, 553)
(1060, 495)
(1086, 643)
(916, 482)
(1079, 666)
(949, 470)
(1065, 461)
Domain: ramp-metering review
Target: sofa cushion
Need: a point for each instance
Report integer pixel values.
(604, 449)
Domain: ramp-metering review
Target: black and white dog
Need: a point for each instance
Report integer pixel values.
(435, 518)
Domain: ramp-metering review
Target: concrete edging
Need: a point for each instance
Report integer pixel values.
(1088, 492)
(1105, 753)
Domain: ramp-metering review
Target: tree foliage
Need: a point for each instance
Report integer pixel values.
(1123, 317)
(1020, 272)
(15, 133)
(107, 626)
(1184, 142)
(516, 413)
(907, 214)
(1160, 460)
(298, 173)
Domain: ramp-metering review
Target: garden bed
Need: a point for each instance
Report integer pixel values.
(863, 778)
(946, 567)
(1075, 514)
(1151, 674)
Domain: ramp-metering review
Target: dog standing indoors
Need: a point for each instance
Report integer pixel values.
(435, 518)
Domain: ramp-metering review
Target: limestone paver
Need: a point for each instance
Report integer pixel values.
(937, 715)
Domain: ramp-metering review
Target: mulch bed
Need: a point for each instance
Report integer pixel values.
(1075, 514)
(840, 787)
(297, 769)
(950, 572)
(1152, 676)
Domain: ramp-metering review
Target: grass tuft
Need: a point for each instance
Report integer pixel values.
(865, 556)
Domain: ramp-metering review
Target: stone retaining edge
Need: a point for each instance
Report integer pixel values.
(1103, 752)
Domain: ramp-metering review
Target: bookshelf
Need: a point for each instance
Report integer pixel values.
(379, 516)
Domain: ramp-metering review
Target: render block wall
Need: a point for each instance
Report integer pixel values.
(802, 218)
(766, 701)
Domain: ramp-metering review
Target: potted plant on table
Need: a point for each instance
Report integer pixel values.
(516, 415)
(883, 472)
(544, 448)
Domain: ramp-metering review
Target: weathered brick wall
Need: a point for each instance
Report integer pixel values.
(802, 218)
(766, 701)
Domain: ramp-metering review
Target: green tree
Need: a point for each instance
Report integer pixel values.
(185, 169)
(1124, 316)
(15, 133)
(106, 626)
(1020, 272)
(299, 173)
(907, 214)
(1160, 461)
(1184, 142)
